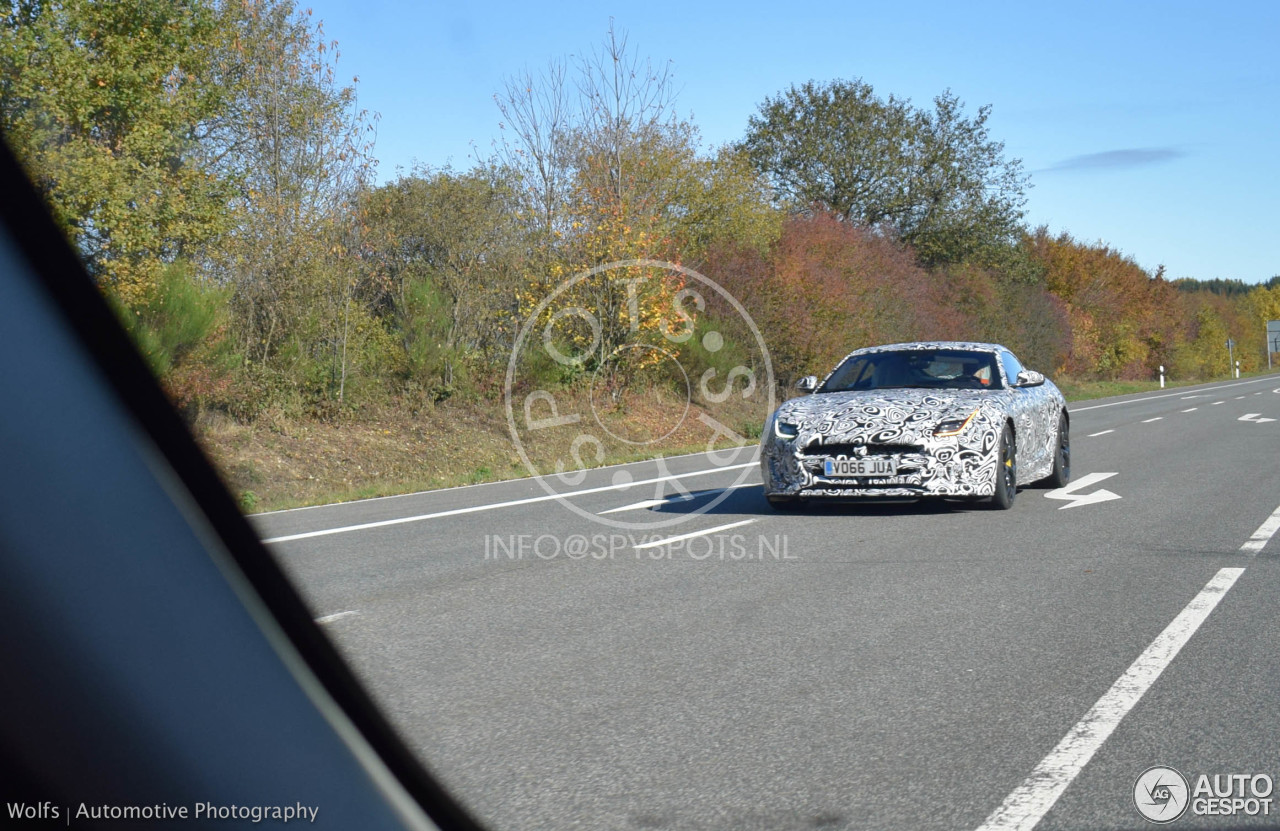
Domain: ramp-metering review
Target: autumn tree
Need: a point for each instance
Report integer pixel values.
(440, 247)
(106, 105)
(293, 137)
(935, 177)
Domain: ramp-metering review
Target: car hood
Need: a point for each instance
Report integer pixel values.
(880, 416)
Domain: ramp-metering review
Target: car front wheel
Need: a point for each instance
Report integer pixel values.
(1006, 473)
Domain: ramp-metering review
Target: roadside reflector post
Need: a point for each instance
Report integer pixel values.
(1237, 369)
(1161, 376)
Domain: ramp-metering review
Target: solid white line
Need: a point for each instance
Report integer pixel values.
(1103, 433)
(471, 509)
(1263, 535)
(1192, 410)
(1165, 395)
(1157, 418)
(336, 616)
(701, 533)
(1031, 800)
(486, 484)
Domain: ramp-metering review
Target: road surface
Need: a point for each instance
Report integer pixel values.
(891, 666)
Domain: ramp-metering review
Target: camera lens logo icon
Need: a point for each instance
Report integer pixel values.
(1161, 794)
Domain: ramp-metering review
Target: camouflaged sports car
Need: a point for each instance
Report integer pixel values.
(913, 420)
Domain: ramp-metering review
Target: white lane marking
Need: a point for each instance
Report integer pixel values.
(481, 484)
(674, 498)
(1259, 393)
(1191, 409)
(704, 532)
(336, 616)
(1157, 418)
(1154, 397)
(1188, 397)
(1075, 500)
(1238, 397)
(648, 503)
(1103, 433)
(1263, 535)
(1216, 403)
(1256, 418)
(1031, 800)
(471, 509)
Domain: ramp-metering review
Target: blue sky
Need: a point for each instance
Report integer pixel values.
(1151, 126)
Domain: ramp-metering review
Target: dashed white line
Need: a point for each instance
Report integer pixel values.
(1031, 800)
(336, 616)
(471, 509)
(1263, 535)
(1191, 409)
(1157, 418)
(1216, 403)
(1103, 433)
(1162, 395)
(1238, 397)
(702, 533)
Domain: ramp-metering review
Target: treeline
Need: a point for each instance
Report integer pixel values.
(217, 176)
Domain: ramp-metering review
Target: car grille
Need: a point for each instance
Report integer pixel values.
(848, 449)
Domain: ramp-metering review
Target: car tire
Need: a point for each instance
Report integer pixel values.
(1006, 473)
(1061, 474)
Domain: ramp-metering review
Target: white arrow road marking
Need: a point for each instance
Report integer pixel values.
(1254, 417)
(1078, 499)
(674, 498)
(648, 503)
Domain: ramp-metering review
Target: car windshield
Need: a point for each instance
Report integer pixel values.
(915, 368)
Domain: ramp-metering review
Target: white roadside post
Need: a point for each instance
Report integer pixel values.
(1237, 369)
(1161, 376)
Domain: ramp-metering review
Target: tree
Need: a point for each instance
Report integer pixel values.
(935, 178)
(440, 247)
(104, 103)
(291, 134)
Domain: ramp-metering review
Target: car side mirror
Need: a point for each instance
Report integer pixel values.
(1029, 378)
(807, 384)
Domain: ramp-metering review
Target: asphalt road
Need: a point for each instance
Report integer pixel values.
(894, 666)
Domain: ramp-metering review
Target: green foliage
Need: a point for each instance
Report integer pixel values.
(936, 177)
(175, 317)
(105, 104)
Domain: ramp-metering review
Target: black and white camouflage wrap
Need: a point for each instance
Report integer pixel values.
(901, 423)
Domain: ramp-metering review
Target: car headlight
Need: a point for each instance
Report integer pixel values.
(953, 426)
(785, 430)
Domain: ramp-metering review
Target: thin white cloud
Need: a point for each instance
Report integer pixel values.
(1118, 159)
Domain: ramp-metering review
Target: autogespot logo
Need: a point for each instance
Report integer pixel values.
(592, 349)
(1161, 794)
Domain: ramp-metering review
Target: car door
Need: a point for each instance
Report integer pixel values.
(1026, 411)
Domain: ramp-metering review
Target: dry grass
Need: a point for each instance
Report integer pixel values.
(279, 462)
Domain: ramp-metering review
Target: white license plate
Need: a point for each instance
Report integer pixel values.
(880, 466)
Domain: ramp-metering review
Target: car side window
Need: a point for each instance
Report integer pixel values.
(1011, 367)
